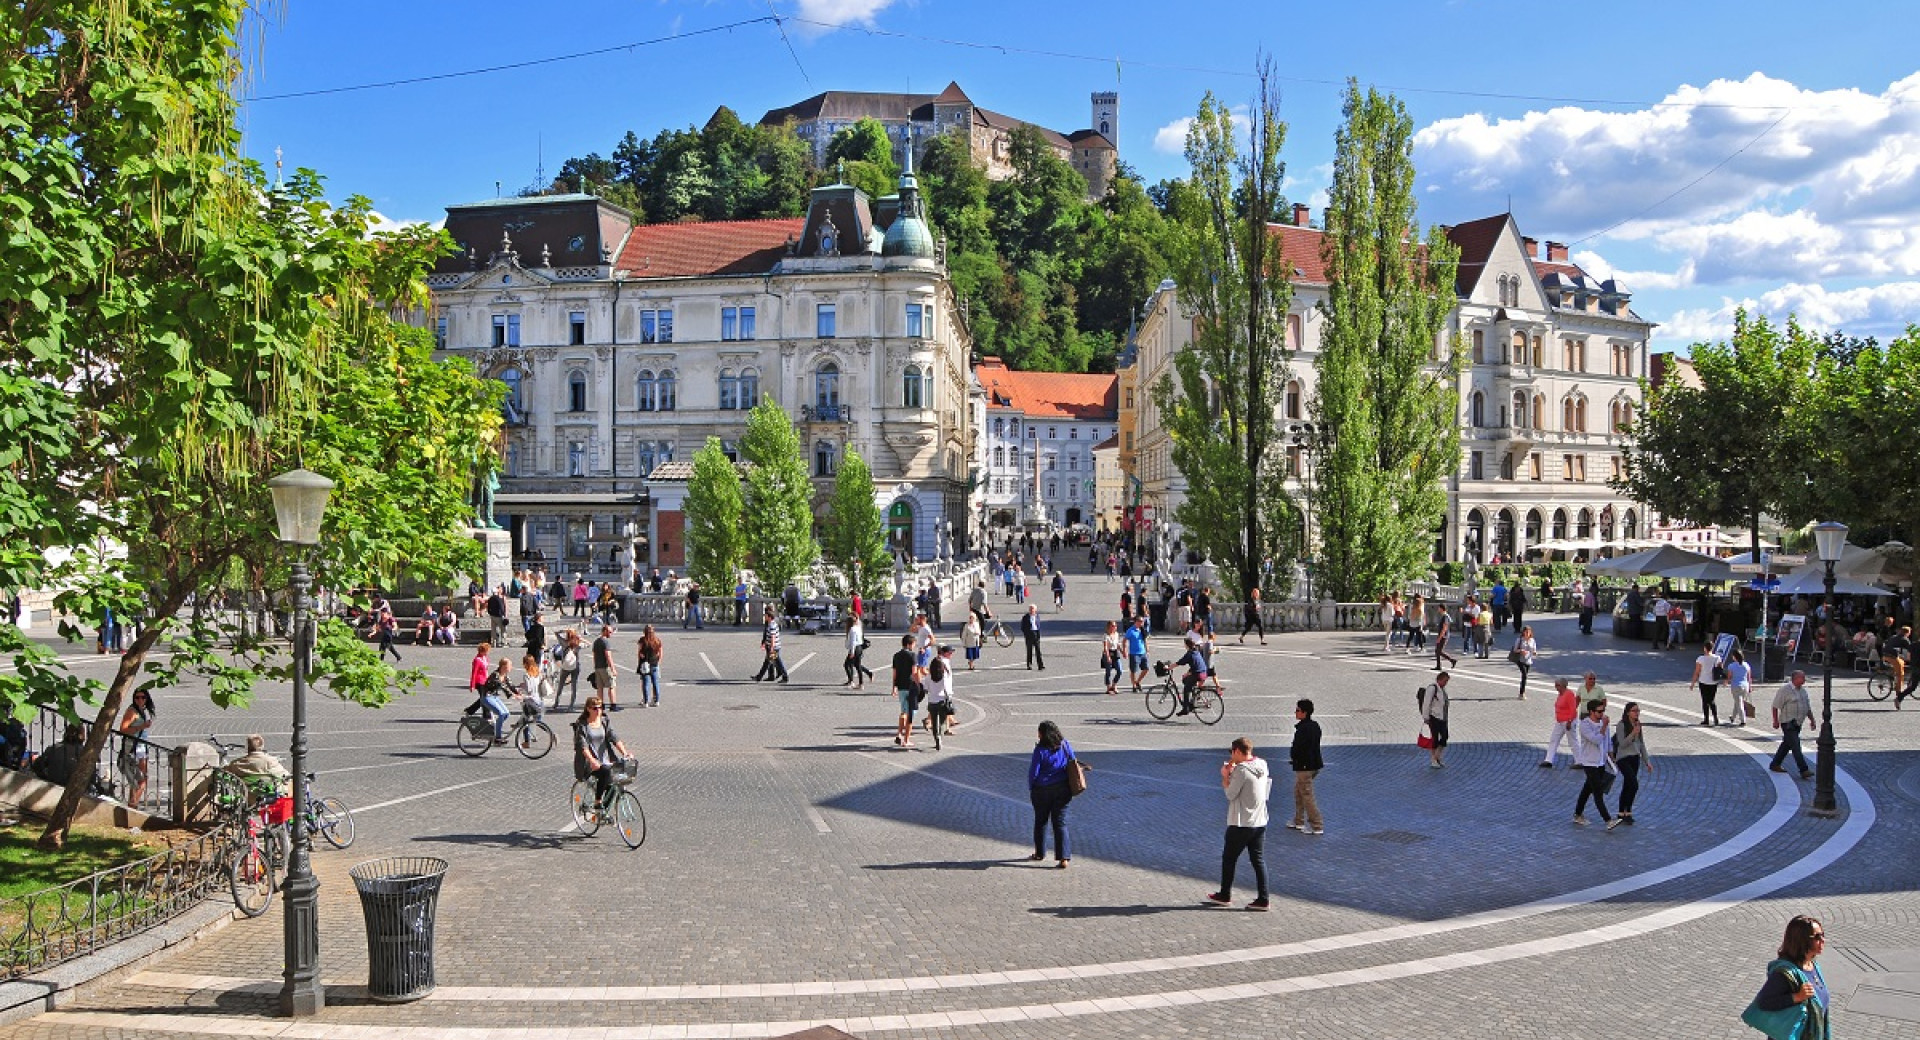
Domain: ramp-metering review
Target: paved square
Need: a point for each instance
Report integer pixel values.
(799, 869)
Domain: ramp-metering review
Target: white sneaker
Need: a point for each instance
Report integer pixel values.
(1579, 820)
(1296, 827)
(1316, 830)
(1615, 822)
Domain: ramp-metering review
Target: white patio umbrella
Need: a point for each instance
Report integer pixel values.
(1811, 580)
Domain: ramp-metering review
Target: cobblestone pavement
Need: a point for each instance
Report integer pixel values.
(800, 869)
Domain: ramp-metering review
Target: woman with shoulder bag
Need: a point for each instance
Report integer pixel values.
(1794, 1003)
(1048, 789)
(1110, 658)
(569, 677)
(651, 652)
(1524, 649)
(857, 671)
(940, 695)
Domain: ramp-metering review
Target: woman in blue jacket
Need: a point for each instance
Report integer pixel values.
(1047, 787)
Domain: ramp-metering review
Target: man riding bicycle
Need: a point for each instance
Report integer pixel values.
(1198, 668)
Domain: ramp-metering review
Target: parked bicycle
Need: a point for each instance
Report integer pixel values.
(259, 848)
(620, 807)
(997, 631)
(1204, 702)
(528, 734)
(327, 817)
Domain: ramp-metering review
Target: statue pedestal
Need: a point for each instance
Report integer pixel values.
(498, 569)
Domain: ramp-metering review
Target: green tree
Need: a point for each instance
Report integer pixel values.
(1729, 450)
(1219, 404)
(1385, 368)
(856, 532)
(196, 332)
(868, 154)
(1856, 424)
(779, 499)
(715, 542)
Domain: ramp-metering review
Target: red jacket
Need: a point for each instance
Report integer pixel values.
(478, 676)
(1566, 706)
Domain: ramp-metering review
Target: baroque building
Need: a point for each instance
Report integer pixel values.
(1553, 363)
(913, 119)
(625, 347)
(1036, 449)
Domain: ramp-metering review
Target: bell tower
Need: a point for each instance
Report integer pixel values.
(1106, 115)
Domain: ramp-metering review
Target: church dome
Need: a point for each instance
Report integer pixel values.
(908, 236)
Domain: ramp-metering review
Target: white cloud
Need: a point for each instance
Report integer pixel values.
(1634, 281)
(378, 222)
(1172, 138)
(841, 12)
(1883, 310)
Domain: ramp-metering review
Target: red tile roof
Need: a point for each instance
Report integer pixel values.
(1300, 250)
(1475, 239)
(1050, 395)
(1542, 268)
(714, 247)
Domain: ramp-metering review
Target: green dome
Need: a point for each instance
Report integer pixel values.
(909, 236)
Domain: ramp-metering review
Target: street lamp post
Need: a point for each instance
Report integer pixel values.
(1830, 540)
(299, 501)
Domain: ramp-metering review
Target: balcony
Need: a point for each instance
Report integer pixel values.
(825, 413)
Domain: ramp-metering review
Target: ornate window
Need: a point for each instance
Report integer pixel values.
(666, 391)
(1479, 347)
(729, 390)
(1520, 409)
(1477, 411)
(1293, 399)
(911, 392)
(824, 459)
(826, 390)
(645, 391)
(999, 456)
(577, 390)
(823, 321)
(749, 387)
(515, 404)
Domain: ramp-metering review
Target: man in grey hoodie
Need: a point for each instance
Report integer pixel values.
(1245, 778)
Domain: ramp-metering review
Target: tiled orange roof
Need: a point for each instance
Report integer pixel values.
(1050, 395)
(714, 247)
(1300, 251)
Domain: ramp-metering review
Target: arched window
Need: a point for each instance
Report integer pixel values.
(824, 460)
(729, 390)
(749, 387)
(1013, 455)
(1560, 525)
(1540, 415)
(826, 390)
(911, 394)
(1519, 348)
(643, 390)
(648, 459)
(514, 405)
(1519, 409)
(666, 391)
(576, 391)
(1629, 528)
(1293, 399)
(1580, 414)
(1583, 524)
(1478, 411)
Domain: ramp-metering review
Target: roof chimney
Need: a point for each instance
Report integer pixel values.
(1531, 247)
(1557, 252)
(1302, 215)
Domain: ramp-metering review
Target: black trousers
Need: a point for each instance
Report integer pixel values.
(1252, 841)
(1595, 788)
(1629, 782)
(1033, 652)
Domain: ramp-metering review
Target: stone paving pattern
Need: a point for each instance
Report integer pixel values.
(921, 871)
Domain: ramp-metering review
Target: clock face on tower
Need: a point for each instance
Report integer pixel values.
(577, 243)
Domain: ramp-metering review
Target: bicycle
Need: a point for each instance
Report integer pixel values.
(1165, 699)
(997, 631)
(621, 807)
(328, 817)
(1880, 681)
(251, 863)
(529, 735)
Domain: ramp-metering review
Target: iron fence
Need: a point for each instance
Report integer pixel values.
(136, 773)
(57, 924)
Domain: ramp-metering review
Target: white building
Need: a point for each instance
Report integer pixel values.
(1554, 360)
(1036, 451)
(625, 347)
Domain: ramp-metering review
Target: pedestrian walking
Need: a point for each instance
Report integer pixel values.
(581, 593)
(1740, 683)
(770, 663)
(1708, 673)
(1417, 625)
(1593, 752)
(1483, 635)
(1443, 629)
(940, 708)
(1791, 705)
(1305, 759)
(1497, 599)
(604, 676)
(479, 669)
(537, 635)
(1049, 791)
(1522, 655)
(648, 667)
(857, 671)
(1566, 712)
(1250, 619)
(1630, 754)
(1030, 631)
(1110, 650)
(693, 607)
(1517, 603)
(1243, 776)
(1433, 713)
(497, 615)
(906, 689)
(1059, 591)
(1794, 1002)
(1589, 605)
(1135, 639)
(740, 601)
(385, 626)
(568, 652)
(971, 639)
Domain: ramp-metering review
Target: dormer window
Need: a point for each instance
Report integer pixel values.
(829, 238)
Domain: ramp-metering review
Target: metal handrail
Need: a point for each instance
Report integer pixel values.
(62, 922)
(112, 777)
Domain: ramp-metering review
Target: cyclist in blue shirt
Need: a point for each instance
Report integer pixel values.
(1136, 640)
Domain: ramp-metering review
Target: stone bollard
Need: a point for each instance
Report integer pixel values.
(194, 764)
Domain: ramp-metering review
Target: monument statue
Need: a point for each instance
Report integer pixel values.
(483, 493)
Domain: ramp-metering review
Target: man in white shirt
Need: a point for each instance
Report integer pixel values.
(1660, 609)
(1790, 706)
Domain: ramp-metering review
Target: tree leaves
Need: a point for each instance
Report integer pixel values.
(856, 530)
(779, 498)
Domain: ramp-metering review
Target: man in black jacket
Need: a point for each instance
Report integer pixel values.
(1030, 629)
(1306, 761)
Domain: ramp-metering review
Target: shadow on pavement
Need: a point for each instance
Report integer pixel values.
(1068, 913)
(956, 864)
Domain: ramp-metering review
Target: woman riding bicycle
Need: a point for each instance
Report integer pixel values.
(594, 748)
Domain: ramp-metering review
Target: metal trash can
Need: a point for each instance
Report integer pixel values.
(397, 897)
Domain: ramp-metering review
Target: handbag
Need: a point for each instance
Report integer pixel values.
(1788, 1023)
(1517, 656)
(1076, 778)
(1423, 741)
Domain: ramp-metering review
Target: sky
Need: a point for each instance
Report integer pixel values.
(1710, 155)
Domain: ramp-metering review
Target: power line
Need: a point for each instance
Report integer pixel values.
(530, 63)
(779, 24)
(1710, 171)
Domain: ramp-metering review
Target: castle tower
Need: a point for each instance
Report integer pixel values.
(1106, 115)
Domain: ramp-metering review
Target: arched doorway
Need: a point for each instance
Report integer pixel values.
(1629, 528)
(1583, 525)
(1534, 522)
(1560, 525)
(1476, 535)
(900, 526)
(1503, 534)
(1073, 517)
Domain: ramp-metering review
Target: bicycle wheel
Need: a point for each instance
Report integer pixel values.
(534, 739)
(1880, 686)
(1162, 701)
(1208, 706)
(250, 877)
(473, 737)
(629, 819)
(1001, 635)
(581, 803)
(334, 822)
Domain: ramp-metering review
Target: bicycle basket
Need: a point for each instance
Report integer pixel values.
(624, 770)
(1160, 669)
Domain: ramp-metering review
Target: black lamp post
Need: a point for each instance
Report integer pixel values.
(299, 501)
(1830, 540)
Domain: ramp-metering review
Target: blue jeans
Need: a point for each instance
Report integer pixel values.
(1110, 668)
(650, 677)
(1050, 806)
(497, 711)
(693, 617)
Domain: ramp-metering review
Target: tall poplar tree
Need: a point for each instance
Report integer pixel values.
(715, 543)
(856, 532)
(1385, 393)
(779, 499)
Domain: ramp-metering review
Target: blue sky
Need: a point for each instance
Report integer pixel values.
(1800, 124)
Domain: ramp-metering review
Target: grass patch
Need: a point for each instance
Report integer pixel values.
(24, 867)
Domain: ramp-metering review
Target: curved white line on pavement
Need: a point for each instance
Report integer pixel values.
(1859, 820)
(1785, 807)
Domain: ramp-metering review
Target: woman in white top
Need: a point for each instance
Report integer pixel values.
(857, 671)
(1526, 648)
(971, 638)
(1110, 657)
(940, 695)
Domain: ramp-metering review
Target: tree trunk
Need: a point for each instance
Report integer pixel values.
(55, 836)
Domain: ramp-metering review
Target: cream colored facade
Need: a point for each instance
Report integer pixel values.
(1553, 366)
